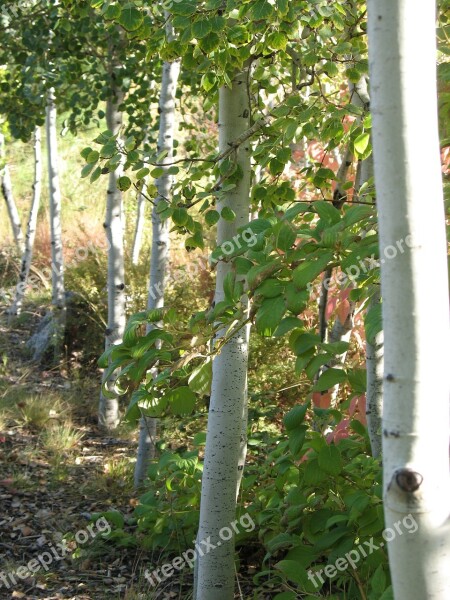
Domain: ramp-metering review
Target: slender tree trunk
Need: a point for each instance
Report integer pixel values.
(160, 241)
(109, 407)
(224, 444)
(415, 295)
(139, 229)
(16, 307)
(341, 332)
(58, 291)
(9, 198)
(374, 393)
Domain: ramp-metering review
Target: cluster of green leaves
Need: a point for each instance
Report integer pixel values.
(313, 502)
(167, 515)
(280, 260)
(181, 378)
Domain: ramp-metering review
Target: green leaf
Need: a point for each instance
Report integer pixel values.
(157, 172)
(286, 325)
(109, 150)
(354, 214)
(296, 299)
(180, 216)
(142, 173)
(86, 170)
(329, 459)
(201, 378)
(130, 143)
(185, 8)
(388, 594)
(201, 28)
(328, 539)
(286, 237)
(114, 517)
(92, 157)
(283, 7)
(270, 288)
(131, 18)
(228, 214)
(212, 217)
(269, 315)
(276, 167)
(181, 400)
(373, 322)
(261, 10)
(361, 142)
(292, 570)
(277, 40)
(242, 265)
(305, 342)
(112, 12)
(228, 286)
(357, 380)
(95, 174)
(315, 364)
(295, 417)
(124, 183)
(209, 43)
(209, 81)
(309, 270)
(327, 211)
(86, 152)
(329, 379)
(378, 581)
(312, 474)
(257, 226)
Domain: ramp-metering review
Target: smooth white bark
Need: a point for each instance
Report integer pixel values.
(224, 443)
(58, 291)
(160, 241)
(109, 407)
(7, 192)
(139, 228)
(27, 256)
(415, 294)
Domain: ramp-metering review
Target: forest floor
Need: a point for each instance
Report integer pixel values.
(57, 470)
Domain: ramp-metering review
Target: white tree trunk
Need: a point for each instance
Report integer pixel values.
(9, 198)
(109, 407)
(224, 444)
(160, 242)
(58, 291)
(415, 294)
(139, 229)
(31, 227)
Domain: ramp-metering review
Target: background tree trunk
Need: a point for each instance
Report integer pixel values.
(374, 393)
(58, 291)
(139, 229)
(416, 428)
(109, 407)
(31, 227)
(160, 241)
(9, 197)
(223, 452)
